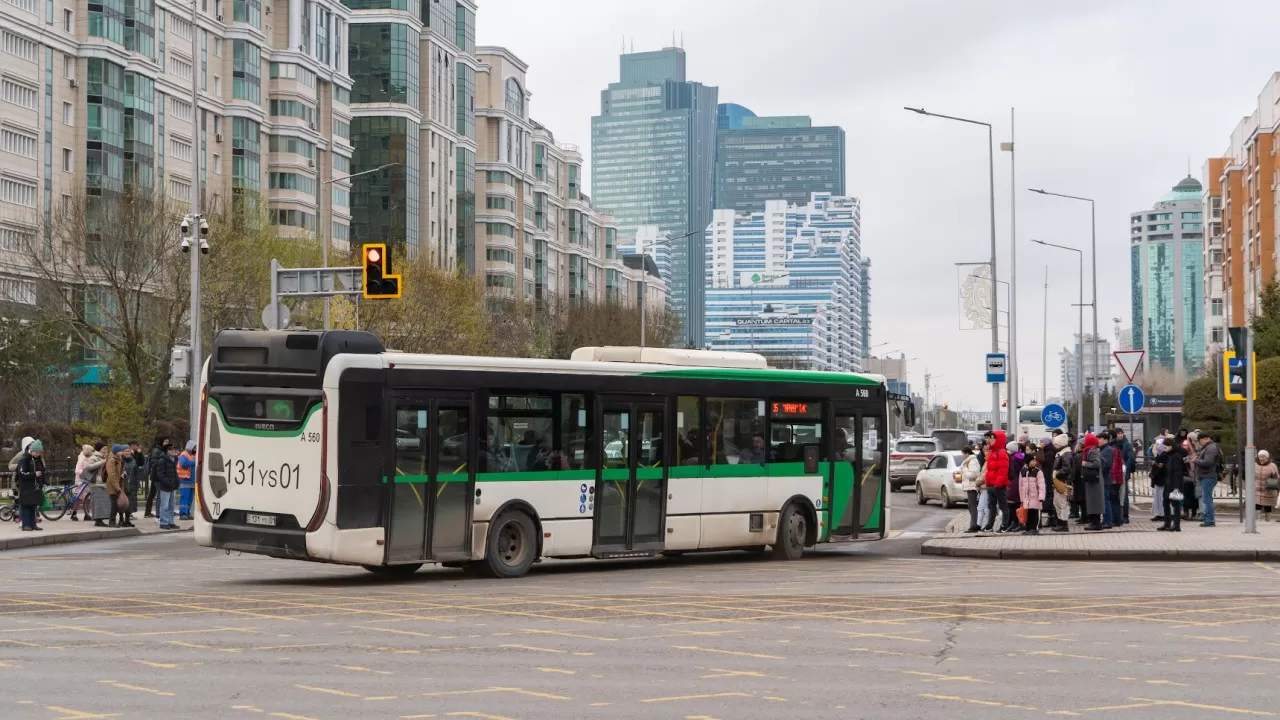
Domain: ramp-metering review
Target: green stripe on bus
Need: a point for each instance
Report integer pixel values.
(768, 376)
(265, 433)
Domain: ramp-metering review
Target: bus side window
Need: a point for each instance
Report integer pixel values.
(731, 425)
(359, 448)
(691, 447)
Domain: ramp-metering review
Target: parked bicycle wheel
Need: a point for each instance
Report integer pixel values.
(6, 513)
(55, 504)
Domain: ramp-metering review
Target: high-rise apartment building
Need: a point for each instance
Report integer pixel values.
(1242, 180)
(653, 163)
(787, 283)
(410, 108)
(865, 284)
(538, 237)
(97, 98)
(1101, 372)
(775, 158)
(1215, 293)
(1167, 256)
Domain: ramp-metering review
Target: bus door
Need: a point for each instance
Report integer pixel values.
(631, 486)
(431, 481)
(858, 482)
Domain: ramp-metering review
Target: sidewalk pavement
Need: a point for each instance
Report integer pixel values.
(1139, 540)
(66, 531)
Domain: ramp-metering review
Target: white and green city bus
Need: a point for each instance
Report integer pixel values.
(325, 446)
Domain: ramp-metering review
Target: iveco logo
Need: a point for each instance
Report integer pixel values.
(264, 426)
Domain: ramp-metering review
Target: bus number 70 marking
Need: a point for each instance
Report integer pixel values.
(240, 472)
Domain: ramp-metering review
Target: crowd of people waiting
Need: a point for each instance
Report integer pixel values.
(108, 481)
(1020, 486)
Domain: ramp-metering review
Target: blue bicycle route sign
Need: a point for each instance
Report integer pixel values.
(1053, 416)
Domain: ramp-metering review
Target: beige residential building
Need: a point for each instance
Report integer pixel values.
(97, 98)
(538, 237)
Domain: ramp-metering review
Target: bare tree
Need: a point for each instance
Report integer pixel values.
(109, 268)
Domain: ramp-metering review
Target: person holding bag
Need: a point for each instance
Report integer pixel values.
(1062, 472)
(115, 488)
(1267, 484)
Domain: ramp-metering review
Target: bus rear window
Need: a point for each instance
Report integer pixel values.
(951, 439)
(259, 408)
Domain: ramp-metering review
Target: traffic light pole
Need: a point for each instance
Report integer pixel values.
(1250, 450)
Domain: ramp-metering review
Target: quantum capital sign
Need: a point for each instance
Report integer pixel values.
(773, 321)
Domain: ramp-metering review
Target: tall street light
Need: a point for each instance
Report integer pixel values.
(644, 276)
(991, 180)
(1093, 221)
(324, 251)
(1080, 359)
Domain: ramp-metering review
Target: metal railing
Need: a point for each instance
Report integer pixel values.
(1229, 489)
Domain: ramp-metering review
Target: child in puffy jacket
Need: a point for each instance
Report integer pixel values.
(1031, 490)
(1017, 459)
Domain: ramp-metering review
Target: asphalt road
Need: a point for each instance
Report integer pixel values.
(155, 627)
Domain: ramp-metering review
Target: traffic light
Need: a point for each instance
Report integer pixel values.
(379, 283)
(1237, 375)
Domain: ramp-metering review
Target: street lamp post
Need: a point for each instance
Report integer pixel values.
(991, 180)
(644, 277)
(1080, 358)
(324, 249)
(1093, 221)
(197, 353)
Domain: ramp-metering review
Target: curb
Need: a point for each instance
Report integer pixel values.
(950, 550)
(37, 540)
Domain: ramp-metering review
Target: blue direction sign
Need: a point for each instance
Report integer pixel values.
(1132, 399)
(1053, 416)
(996, 368)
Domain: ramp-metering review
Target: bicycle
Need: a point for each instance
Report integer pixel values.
(57, 500)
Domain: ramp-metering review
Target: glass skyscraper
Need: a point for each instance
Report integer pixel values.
(774, 158)
(653, 163)
(1167, 271)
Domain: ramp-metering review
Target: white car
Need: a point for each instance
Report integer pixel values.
(940, 479)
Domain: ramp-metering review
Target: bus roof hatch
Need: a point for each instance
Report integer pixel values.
(669, 356)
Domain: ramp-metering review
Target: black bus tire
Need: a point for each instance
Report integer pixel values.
(512, 545)
(793, 528)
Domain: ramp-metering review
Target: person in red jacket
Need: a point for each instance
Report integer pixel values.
(997, 476)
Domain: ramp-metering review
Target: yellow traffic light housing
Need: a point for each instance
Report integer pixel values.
(379, 283)
(1237, 374)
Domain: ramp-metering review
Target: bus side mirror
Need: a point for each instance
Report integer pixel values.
(909, 414)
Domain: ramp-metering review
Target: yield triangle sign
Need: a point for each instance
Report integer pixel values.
(1129, 360)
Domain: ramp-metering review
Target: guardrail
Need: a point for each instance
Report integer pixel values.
(1140, 486)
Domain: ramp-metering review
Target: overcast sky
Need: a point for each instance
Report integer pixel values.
(1113, 98)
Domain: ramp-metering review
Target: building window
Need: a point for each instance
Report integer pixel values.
(293, 108)
(294, 218)
(67, 160)
(18, 93)
(16, 239)
(180, 190)
(180, 148)
(68, 114)
(18, 192)
(247, 11)
(246, 156)
(500, 203)
(18, 291)
(342, 129)
(292, 181)
(106, 20)
(20, 47)
(1215, 307)
(288, 144)
(19, 141)
(515, 98)
(500, 255)
(384, 63)
(68, 20)
(500, 229)
(246, 64)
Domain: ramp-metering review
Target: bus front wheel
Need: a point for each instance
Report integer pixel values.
(512, 545)
(793, 529)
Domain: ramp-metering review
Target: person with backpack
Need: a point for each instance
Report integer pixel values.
(1017, 459)
(1208, 465)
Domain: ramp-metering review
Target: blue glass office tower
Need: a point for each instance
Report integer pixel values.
(653, 163)
(774, 158)
(787, 283)
(1167, 265)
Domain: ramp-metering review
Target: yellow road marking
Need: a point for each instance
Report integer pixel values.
(290, 647)
(774, 698)
(250, 708)
(415, 717)
(1199, 706)
(886, 637)
(394, 631)
(482, 716)
(291, 716)
(1167, 682)
(973, 701)
(696, 697)
(136, 688)
(728, 652)
(531, 647)
(148, 663)
(570, 635)
(69, 714)
(936, 676)
(329, 691)
(382, 697)
(357, 668)
(1252, 657)
(720, 673)
(558, 670)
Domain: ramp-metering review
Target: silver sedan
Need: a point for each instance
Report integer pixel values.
(940, 480)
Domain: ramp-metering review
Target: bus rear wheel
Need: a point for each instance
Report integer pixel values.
(512, 545)
(393, 570)
(793, 529)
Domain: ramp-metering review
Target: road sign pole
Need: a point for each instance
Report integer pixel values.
(1250, 450)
